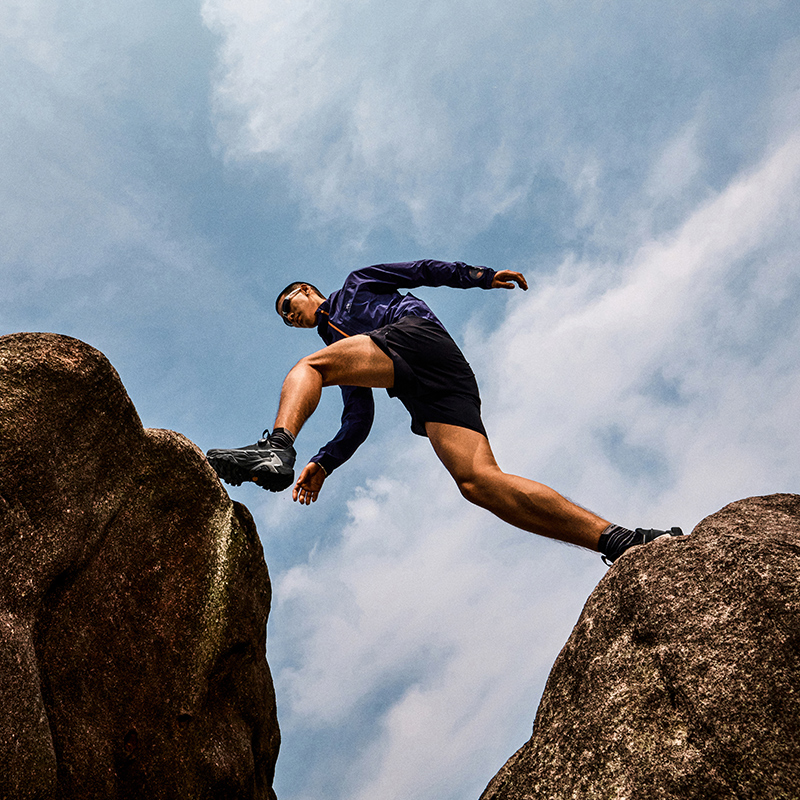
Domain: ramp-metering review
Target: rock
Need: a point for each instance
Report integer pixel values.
(133, 598)
(682, 676)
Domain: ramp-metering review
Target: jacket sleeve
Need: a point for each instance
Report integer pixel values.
(384, 278)
(357, 416)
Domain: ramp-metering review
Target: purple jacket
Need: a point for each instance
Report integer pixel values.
(369, 300)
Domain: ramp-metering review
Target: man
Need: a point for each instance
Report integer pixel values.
(379, 338)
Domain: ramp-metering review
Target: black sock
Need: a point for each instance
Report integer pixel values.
(615, 540)
(281, 438)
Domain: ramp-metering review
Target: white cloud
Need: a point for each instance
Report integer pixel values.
(430, 612)
(439, 117)
(102, 163)
(688, 351)
(84, 136)
(677, 166)
(360, 101)
(381, 112)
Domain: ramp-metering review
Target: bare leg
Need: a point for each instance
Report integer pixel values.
(521, 502)
(356, 361)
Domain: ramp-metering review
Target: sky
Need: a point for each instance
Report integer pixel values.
(167, 168)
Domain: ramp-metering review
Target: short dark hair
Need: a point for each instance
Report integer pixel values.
(290, 287)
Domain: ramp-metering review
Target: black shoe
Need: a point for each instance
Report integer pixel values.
(262, 463)
(640, 536)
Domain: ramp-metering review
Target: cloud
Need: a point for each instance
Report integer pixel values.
(359, 103)
(677, 166)
(410, 636)
(444, 117)
(103, 167)
(686, 351)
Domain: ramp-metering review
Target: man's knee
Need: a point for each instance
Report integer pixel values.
(323, 362)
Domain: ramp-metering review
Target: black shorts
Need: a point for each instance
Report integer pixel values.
(432, 378)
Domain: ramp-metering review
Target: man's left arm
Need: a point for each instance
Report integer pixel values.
(382, 278)
(386, 278)
(357, 416)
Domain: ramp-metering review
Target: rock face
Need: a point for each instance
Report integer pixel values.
(133, 598)
(682, 676)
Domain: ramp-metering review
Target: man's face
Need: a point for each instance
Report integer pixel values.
(301, 307)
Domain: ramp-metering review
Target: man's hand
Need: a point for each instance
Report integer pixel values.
(505, 279)
(306, 490)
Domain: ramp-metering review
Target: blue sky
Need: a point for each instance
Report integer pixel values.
(167, 168)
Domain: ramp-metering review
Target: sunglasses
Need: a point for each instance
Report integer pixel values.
(285, 305)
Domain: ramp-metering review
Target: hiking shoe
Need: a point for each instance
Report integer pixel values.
(637, 537)
(262, 463)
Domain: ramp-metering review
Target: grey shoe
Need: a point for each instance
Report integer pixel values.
(262, 463)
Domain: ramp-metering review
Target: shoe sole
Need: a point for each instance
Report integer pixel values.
(235, 475)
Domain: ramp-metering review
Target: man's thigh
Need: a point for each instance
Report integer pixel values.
(356, 361)
(465, 453)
